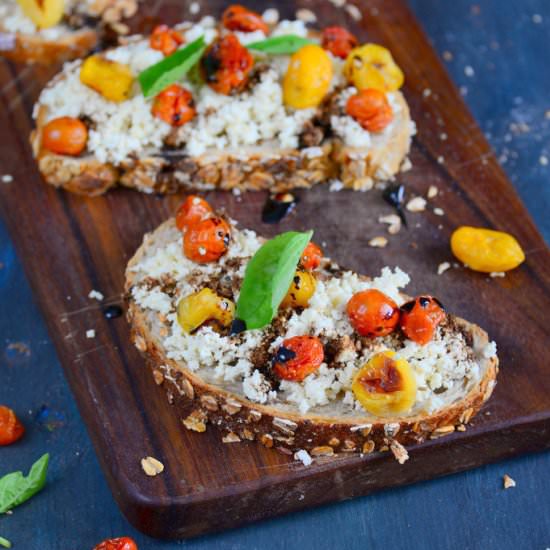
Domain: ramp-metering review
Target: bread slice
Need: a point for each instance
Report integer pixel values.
(288, 149)
(226, 381)
(77, 34)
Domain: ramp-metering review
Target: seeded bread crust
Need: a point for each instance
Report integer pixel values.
(27, 48)
(200, 404)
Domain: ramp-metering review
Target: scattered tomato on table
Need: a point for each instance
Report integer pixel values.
(121, 543)
(11, 428)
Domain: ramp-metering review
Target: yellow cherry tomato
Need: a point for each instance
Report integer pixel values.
(198, 308)
(43, 13)
(110, 79)
(372, 66)
(300, 291)
(307, 78)
(385, 386)
(486, 250)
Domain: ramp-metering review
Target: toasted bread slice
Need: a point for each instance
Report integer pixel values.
(226, 381)
(243, 142)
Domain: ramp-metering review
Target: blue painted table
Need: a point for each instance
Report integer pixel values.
(497, 52)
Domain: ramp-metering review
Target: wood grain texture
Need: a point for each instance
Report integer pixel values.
(70, 245)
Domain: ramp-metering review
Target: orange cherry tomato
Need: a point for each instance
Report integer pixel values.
(193, 210)
(226, 65)
(338, 41)
(121, 543)
(165, 39)
(65, 136)
(207, 240)
(371, 109)
(298, 357)
(372, 313)
(239, 18)
(10, 428)
(174, 105)
(420, 317)
(311, 257)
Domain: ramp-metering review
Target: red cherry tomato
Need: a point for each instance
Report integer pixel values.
(338, 41)
(311, 257)
(239, 18)
(226, 65)
(121, 543)
(65, 136)
(420, 317)
(193, 210)
(174, 105)
(165, 39)
(298, 357)
(10, 428)
(207, 240)
(371, 109)
(372, 313)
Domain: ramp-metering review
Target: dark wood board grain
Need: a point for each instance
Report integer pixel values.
(70, 245)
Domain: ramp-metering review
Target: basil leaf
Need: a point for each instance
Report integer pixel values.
(15, 488)
(157, 77)
(5, 543)
(268, 277)
(281, 45)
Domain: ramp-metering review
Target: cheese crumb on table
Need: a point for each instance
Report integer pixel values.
(7, 178)
(442, 267)
(508, 482)
(90, 333)
(416, 204)
(304, 457)
(95, 295)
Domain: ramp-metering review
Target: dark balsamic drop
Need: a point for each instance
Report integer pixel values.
(283, 355)
(394, 195)
(112, 312)
(278, 206)
(237, 326)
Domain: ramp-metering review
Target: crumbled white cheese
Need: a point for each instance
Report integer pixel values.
(90, 333)
(304, 457)
(95, 295)
(296, 27)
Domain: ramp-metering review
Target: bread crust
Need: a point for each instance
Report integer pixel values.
(199, 403)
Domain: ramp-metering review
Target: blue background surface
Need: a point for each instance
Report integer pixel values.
(507, 45)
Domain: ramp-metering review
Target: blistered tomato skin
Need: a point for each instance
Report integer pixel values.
(121, 543)
(308, 77)
(372, 66)
(207, 240)
(300, 291)
(372, 313)
(174, 105)
(226, 65)
(43, 13)
(65, 136)
(311, 257)
(486, 250)
(338, 41)
(420, 318)
(11, 429)
(385, 386)
(298, 357)
(108, 78)
(193, 210)
(239, 18)
(165, 39)
(198, 308)
(371, 109)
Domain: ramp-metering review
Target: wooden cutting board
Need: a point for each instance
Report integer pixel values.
(71, 245)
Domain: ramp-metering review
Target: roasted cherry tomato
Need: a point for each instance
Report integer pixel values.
(298, 357)
(193, 210)
(174, 105)
(300, 291)
(226, 65)
(10, 428)
(311, 257)
(43, 13)
(111, 79)
(207, 240)
(65, 136)
(486, 250)
(239, 18)
(371, 109)
(385, 385)
(165, 39)
(420, 317)
(121, 543)
(198, 308)
(338, 41)
(372, 313)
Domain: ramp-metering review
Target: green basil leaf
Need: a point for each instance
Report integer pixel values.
(157, 77)
(5, 543)
(268, 277)
(15, 488)
(281, 45)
